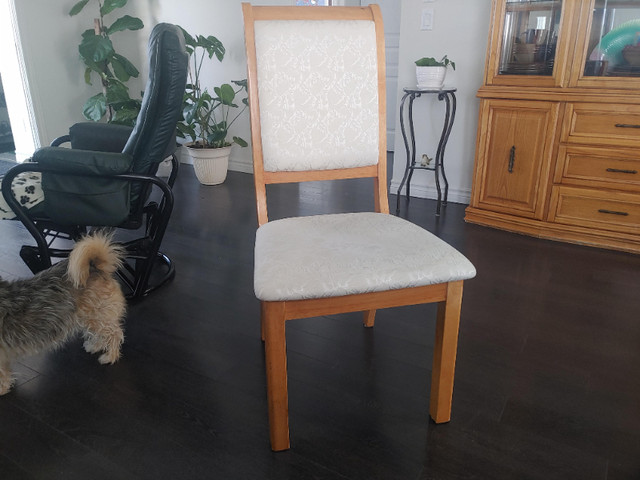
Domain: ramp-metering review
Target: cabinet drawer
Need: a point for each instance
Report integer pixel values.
(594, 123)
(599, 167)
(598, 209)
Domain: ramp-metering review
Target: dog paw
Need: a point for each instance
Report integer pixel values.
(90, 346)
(5, 385)
(109, 357)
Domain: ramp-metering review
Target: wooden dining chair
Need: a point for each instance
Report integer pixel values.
(316, 81)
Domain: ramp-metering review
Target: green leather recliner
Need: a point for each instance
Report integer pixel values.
(107, 178)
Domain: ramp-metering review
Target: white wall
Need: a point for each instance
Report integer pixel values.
(16, 92)
(460, 30)
(50, 39)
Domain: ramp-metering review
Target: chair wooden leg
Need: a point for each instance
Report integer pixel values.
(369, 318)
(444, 354)
(276, 364)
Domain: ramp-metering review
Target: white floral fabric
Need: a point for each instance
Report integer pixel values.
(318, 91)
(27, 189)
(350, 253)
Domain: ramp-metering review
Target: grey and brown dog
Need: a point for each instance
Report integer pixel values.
(78, 294)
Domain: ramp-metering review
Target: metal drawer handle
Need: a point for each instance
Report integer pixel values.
(626, 125)
(613, 212)
(620, 170)
(512, 158)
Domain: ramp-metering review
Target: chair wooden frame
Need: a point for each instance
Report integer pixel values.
(274, 314)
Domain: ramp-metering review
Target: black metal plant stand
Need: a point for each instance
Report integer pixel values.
(448, 95)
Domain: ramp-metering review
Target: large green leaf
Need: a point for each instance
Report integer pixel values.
(240, 141)
(95, 48)
(190, 42)
(95, 107)
(110, 5)
(206, 96)
(125, 23)
(225, 94)
(212, 45)
(188, 39)
(119, 70)
(129, 67)
(131, 103)
(77, 8)
(217, 137)
(184, 130)
(189, 112)
(127, 114)
(123, 68)
(117, 92)
(92, 66)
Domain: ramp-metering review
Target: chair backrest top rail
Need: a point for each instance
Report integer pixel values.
(306, 13)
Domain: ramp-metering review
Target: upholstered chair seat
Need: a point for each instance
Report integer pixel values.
(350, 253)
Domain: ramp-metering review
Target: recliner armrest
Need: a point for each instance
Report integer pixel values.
(101, 137)
(87, 162)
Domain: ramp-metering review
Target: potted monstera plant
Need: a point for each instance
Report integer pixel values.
(430, 73)
(208, 116)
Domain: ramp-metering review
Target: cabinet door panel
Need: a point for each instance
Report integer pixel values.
(607, 50)
(516, 155)
(529, 42)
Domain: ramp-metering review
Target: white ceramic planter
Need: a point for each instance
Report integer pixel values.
(210, 164)
(430, 77)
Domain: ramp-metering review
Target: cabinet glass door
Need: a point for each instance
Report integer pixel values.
(529, 37)
(613, 42)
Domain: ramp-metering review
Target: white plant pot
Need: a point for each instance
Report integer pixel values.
(430, 77)
(210, 164)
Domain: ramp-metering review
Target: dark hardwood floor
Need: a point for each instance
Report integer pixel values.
(547, 380)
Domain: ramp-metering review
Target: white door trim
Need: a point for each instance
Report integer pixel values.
(15, 83)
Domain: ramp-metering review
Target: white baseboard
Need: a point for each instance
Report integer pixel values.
(423, 191)
(236, 166)
(183, 156)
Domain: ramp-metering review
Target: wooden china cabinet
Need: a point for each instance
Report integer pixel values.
(558, 145)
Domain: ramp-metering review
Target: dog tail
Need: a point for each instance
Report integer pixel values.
(95, 252)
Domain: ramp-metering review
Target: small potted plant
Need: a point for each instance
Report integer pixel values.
(207, 117)
(430, 73)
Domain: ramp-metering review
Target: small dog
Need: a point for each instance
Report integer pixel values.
(78, 294)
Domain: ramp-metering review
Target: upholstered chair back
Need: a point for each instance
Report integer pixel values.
(318, 91)
(154, 137)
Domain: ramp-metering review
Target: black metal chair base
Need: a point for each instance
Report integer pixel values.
(161, 271)
(140, 276)
(31, 258)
